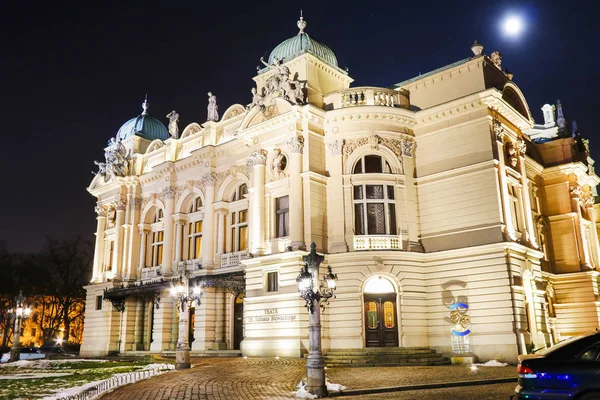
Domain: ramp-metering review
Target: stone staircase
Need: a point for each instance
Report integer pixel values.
(384, 357)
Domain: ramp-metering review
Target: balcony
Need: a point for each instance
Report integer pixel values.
(233, 259)
(379, 242)
(150, 273)
(366, 96)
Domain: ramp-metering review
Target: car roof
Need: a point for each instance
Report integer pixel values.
(572, 346)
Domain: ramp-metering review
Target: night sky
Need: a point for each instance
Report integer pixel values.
(71, 75)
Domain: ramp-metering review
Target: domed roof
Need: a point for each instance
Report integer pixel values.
(143, 125)
(302, 43)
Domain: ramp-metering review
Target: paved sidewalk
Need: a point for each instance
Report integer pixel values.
(272, 379)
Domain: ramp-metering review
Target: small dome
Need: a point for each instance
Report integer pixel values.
(143, 125)
(302, 43)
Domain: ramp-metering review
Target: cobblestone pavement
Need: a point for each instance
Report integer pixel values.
(274, 379)
(499, 391)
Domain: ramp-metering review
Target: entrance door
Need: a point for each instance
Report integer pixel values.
(238, 322)
(381, 322)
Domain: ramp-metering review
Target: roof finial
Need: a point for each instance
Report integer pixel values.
(145, 105)
(301, 23)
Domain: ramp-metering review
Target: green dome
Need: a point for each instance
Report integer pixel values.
(302, 43)
(143, 125)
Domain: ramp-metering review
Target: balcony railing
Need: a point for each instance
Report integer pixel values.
(233, 259)
(380, 242)
(367, 96)
(150, 273)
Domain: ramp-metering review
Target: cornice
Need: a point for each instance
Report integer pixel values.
(371, 114)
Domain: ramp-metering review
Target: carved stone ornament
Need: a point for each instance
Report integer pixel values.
(587, 200)
(120, 205)
(100, 210)
(116, 162)
(278, 164)
(498, 129)
(212, 109)
(496, 59)
(575, 191)
(408, 147)
(169, 192)
(209, 179)
(279, 84)
(111, 214)
(374, 142)
(137, 202)
(296, 144)
(335, 147)
(521, 147)
(511, 154)
(257, 157)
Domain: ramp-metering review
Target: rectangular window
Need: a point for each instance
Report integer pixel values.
(272, 282)
(98, 302)
(282, 207)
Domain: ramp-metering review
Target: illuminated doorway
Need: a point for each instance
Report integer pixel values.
(238, 322)
(381, 319)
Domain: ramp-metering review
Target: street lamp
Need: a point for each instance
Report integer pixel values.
(316, 298)
(20, 312)
(185, 297)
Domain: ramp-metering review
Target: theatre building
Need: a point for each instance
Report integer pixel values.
(452, 220)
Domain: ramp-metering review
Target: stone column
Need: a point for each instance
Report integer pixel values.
(509, 229)
(208, 229)
(256, 162)
(138, 334)
(167, 259)
(588, 202)
(144, 229)
(411, 193)
(99, 247)
(117, 253)
(296, 146)
(521, 148)
(221, 214)
(125, 266)
(335, 213)
(179, 224)
(576, 201)
(131, 259)
(220, 343)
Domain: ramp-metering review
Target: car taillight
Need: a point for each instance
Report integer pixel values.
(525, 372)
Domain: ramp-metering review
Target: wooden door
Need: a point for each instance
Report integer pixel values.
(381, 322)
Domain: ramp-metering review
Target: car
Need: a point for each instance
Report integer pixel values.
(567, 370)
(27, 353)
(56, 352)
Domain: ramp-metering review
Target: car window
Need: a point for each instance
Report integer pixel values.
(559, 345)
(591, 354)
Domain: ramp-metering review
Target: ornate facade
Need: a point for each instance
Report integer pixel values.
(452, 220)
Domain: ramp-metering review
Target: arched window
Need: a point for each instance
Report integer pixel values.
(194, 231)
(372, 164)
(239, 192)
(196, 205)
(374, 210)
(158, 216)
(156, 240)
(238, 227)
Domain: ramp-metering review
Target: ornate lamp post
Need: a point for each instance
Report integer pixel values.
(20, 312)
(185, 297)
(316, 298)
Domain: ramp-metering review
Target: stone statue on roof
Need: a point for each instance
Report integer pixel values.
(496, 59)
(173, 127)
(213, 113)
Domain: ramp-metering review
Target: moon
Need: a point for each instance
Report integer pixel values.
(513, 25)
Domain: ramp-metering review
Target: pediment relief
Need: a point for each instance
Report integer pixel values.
(257, 115)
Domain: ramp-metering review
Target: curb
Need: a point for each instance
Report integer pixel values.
(355, 392)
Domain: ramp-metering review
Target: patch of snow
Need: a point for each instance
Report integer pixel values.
(302, 393)
(34, 375)
(492, 363)
(334, 387)
(45, 364)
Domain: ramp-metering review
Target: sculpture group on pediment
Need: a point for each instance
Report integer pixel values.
(496, 59)
(116, 162)
(278, 85)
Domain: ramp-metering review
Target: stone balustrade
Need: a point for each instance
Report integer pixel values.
(233, 259)
(378, 242)
(366, 96)
(150, 273)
